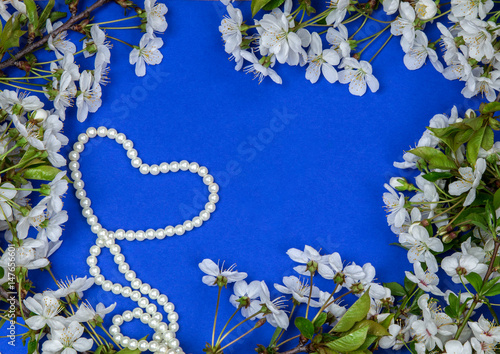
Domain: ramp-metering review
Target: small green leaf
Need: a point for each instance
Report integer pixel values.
(496, 199)
(320, 320)
(46, 12)
(374, 328)
(442, 162)
(276, 333)
(350, 341)
(257, 5)
(450, 311)
(435, 158)
(491, 107)
(31, 12)
(272, 4)
(355, 313)
(434, 176)
(474, 144)
(494, 290)
(479, 220)
(461, 138)
(488, 139)
(305, 327)
(2, 272)
(474, 123)
(57, 15)
(475, 280)
(99, 349)
(370, 338)
(32, 345)
(129, 351)
(44, 173)
(387, 321)
(396, 289)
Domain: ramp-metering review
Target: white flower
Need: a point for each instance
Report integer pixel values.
(86, 313)
(75, 285)
(98, 46)
(89, 99)
(485, 85)
(339, 39)
(155, 16)
(470, 9)
(321, 61)
(337, 12)
(58, 186)
(425, 9)
(58, 43)
(147, 53)
(311, 258)
(30, 131)
(230, 28)
(395, 206)
(459, 68)
(377, 291)
(477, 37)
(67, 340)
(53, 230)
(7, 193)
(53, 126)
(9, 99)
(260, 71)
(397, 338)
(485, 331)
(426, 335)
(47, 248)
(425, 280)
(275, 316)
(332, 307)
(448, 42)
(358, 74)
(34, 218)
(299, 290)
(420, 246)
(32, 254)
(46, 309)
(52, 146)
(469, 181)
(456, 347)
(219, 276)
(416, 56)
(458, 265)
(248, 294)
(404, 23)
(483, 347)
(66, 92)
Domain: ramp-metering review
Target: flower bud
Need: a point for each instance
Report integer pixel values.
(260, 322)
(470, 113)
(312, 266)
(425, 9)
(339, 278)
(45, 189)
(449, 237)
(401, 184)
(425, 223)
(40, 115)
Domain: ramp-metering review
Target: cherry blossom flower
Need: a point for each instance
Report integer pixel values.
(7, 193)
(66, 91)
(404, 23)
(58, 43)
(34, 218)
(246, 296)
(425, 9)
(420, 246)
(31, 254)
(52, 227)
(458, 265)
(338, 12)
(358, 74)
(425, 280)
(485, 331)
(97, 46)
(469, 181)
(155, 16)
(230, 28)
(390, 6)
(470, 9)
(395, 206)
(89, 99)
(333, 308)
(58, 186)
(321, 61)
(23, 102)
(260, 71)
(484, 85)
(448, 43)
(217, 276)
(273, 312)
(147, 53)
(69, 340)
(339, 39)
(397, 338)
(52, 146)
(456, 347)
(478, 39)
(311, 258)
(46, 308)
(483, 347)
(73, 285)
(86, 313)
(299, 290)
(418, 53)
(358, 287)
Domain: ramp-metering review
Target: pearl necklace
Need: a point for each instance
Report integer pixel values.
(163, 341)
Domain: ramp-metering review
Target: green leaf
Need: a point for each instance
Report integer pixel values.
(320, 320)
(396, 289)
(461, 138)
(374, 328)
(490, 283)
(32, 345)
(491, 107)
(496, 200)
(99, 349)
(257, 5)
(356, 312)
(475, 280)
(434, 176)
(30, 154)
(494, 290)
(57, 15)
(450, 311)
(442, 162)
(31, 12)
(488, 139)
(387, 321)
(11, 34)
(350, 341)
(426, 152)
(305, 327)
(409, 285)
(46, 12)
(435, 158)
(276, 333)
(474, 144)
(479, 220)
(368, 341)
(129, 351)
(272, 4)
(2, 272)
(44, 173)
(475, 123)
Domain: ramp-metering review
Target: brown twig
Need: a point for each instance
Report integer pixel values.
(298, 349)
(4, 294)
(66, 26)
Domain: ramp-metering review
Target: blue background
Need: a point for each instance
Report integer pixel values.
(318, 181)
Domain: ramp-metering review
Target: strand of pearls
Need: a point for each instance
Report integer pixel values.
(163, 340)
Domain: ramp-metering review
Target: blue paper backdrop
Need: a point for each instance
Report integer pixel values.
(298, 164)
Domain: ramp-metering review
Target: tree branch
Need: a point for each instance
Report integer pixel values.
(297, 349)
(66, 26)
(7, 297)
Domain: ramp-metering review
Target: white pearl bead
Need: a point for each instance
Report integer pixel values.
(128, 144)
(102, 131)
(143, 302)
(154, 293)
(160, 234)
(173, 317)
(99, 279)
(115, 249)
(120, 234)
(213, 188)
(151, 309)
(136, 162)
(184, 165)
(210, 207)
(188, 225)
(123, 268)
(208, 179)
(75, 176)
(91, 132)
(168, 335)
(162, 327)
(74, 165)
(130, 235)
(140, 235)
(162, 349)
(162, 300)
(95, 250)
(193, 167)
(118, 337)
(173, 343)
(120, 138)
(145, 288)
(114, 330)
(164, 167)
(214, 197)
(157, 337)
(153, 346)
(157, 316)
(169, 307)
(109, 242)
(204, 215)
(154, 170)
(83, 138)
(137, 312)
(144, 169)
(135, 296)
(94, 271)
(117, 320)
(169, 231)
(100, 243)
(91, 261)
(107, 285)
(102, 234)
(78, 147)
(202, 171)
(85, 202)
(112, 133)
(92, 220)
(127, 316)
(174, 166)
(127, 291)
(174, 327)
(74, 156)
(87, 212)
(132, 153)
(125, 341)
(95, 228)
(197, 222)
(179, 230)
(143, 345)
(79, 185)
(130, 275)
(119, 258)
(132, 345)
(150, 234)
(136, 283)
(145, 318)
(116, 289)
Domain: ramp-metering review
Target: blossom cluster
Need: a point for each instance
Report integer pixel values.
(468, 41)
